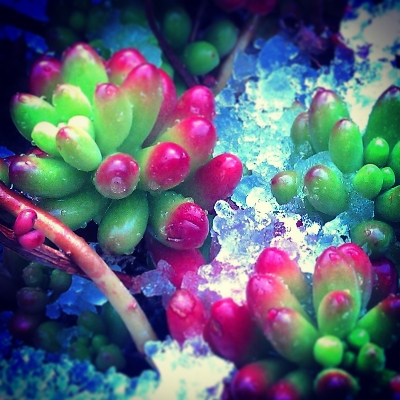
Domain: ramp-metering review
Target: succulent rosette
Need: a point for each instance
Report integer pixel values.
(293, 338)
(341, 340)
(117, 146)
(366, 163)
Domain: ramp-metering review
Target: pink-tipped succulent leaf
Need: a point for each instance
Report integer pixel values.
(168, 103)
(32, 239)
(197, 135)
(215, 180)
(337, 313)
(112, 117)
(162, 166)
(83, 67)
(335, 384)
(25, 221)
(181, 261)
(44, 76)
(363, 268)
(273, 260)
(117, 176)
(253, 380)
(196, 101)
(122, 62)
(143, 87)
(291, 335)
(27, 110)
(176, 221)
(334, 271)
(385, 280)
(186, 316)
(382, 322)
(232, 334)
(266, 291)
(296, 385)
(325, 110)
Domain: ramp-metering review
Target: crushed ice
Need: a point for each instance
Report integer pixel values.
(191, 372)
(255, 112)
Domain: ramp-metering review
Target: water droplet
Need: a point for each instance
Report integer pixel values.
(117, 185)
(153, 185)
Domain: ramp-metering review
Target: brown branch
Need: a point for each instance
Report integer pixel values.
(50, 257)
(244, 39)
(76, 248)
(174, 60)
(199, 16)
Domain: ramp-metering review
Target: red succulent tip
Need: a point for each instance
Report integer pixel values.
(187, 226)
(186, 315)
(31, 240)
(25, 221)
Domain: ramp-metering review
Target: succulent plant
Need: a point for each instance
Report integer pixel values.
(290, 337)
(347, 336)
(114, 139)
(364, 163)
(114, 145)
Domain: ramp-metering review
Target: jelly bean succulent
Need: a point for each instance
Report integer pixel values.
(100, 337)
(192, 44)
(296, 338)
(362, 162)
(71, 22)
(113, 144)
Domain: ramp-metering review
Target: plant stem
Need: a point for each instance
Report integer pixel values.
(176, 63)
(196, 23)
(50, 257)
(89, 261)
(241, 44)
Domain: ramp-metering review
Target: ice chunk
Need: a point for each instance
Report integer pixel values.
(83, 295)
(226, 98)
(192, 372)
(372, 32)
(116, 36)
(276, 53)
(155, 282)
(33, 374)
(243, 233)
(240, 234)
(253, 185)
(223, 280)
(244, 66)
